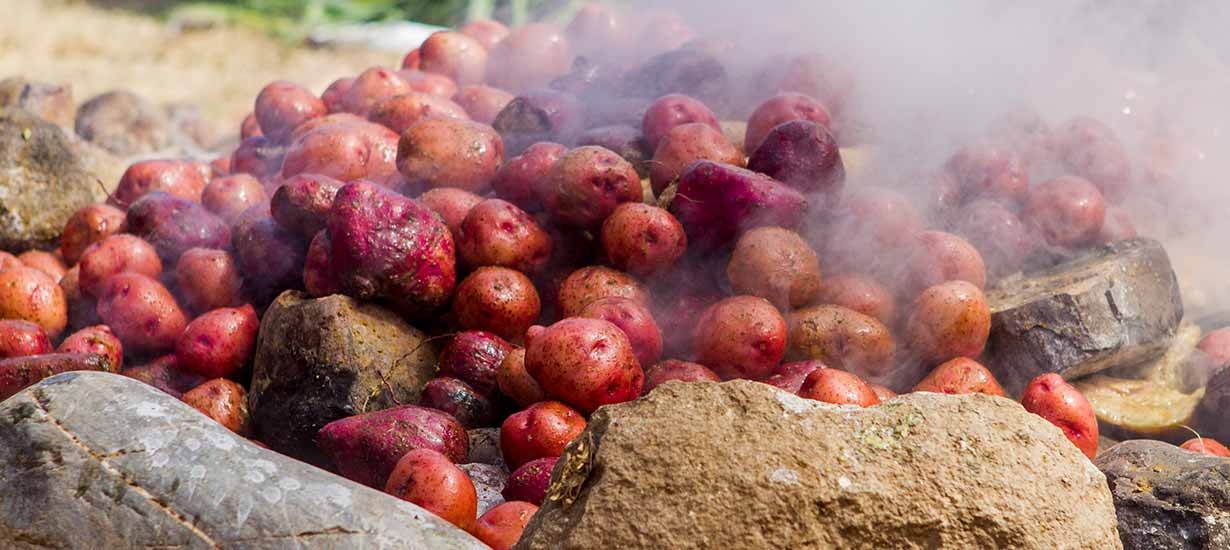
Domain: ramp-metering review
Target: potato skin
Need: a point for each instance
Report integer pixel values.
(444, 152)
(594, 282)
(541, 430)
(842, 338)
(775, 264)
(482, 103)
(838, 387)
(960, 375)
(173, 225)
(790, 376)
(587, 184)
(455, 397)
(781, 108)
(43, 261)
(1052, 398)
(519, 179)
(96, 339)
(497, 299)
(501, 526)
(1206, 446)
(474, 356)
(635, 320)
(530, 482)
(674, 369)
(938, 256)
(344, 151)
(717, 202)
(319, 279)
(989, 170)
(18, 373)
(400, 112)
(515, 382)
(371, 87)
(455, 55)
(949, 320)
(488, 32)
(803, 155)
(219, 343)
(227, 197)
(141, 312)
(452, 204)
(301, 204)
(1068, 211)
(585, 363)
(684, 144)
(643, 239)
(175, 177)
(28, 294)
(21, 338)
(430, 480)
(88, 225)
(224, 401)
(281, 106)
(366, 447)
(861, 293)
(496, 232)
(740, 337)
(672, 110)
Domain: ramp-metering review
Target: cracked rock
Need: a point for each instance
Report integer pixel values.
(96, 460)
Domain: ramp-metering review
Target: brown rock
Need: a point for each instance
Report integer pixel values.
(744, 465)
(52, 102)
(124, 124)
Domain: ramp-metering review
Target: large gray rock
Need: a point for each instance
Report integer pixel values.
(1168, 498)
(42, 181)
(744, 465)
(322, 359)
(93, 460)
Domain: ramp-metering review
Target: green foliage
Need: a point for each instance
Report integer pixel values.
(280, 14)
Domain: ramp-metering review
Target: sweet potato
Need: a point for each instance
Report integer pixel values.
(1052, 398)
(839, 387)
(482, 103)
(517, 180)
(173, 225)
(960, 375)
(446, 152)
(514, 382)
(281, 106)
(473, 356)
(501, 526)
(455, 397)
(842, 338)
(224, 401)
(949, 320)
(28, 294)
(97, 339)
(219, 343)
(163, 373)
(496, 232)
(87, 226)
(740, 337)
(497, 299)
(21, 338)
(594, 282)
(775, 264)
(366, 447)
(541, 430)
(715, 202)
(529, 483)
(141, 312)
(430, 480)
(585, 363)
(18, 373)
(208, 278)
(634, 319)
(674, 369)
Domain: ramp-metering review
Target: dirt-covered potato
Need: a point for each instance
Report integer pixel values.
(642, 239)
(790, 376)
(18, 373)
(259, 156)
(455, 397)
(332, 96)
(587, 184)
(474, 356)
(400, 112)
(431, 481)
(594, 282)
(224, 401)
(1052, 398)
(345, 151)
(496, 232)
(281, 106)
(716, 202)
(949, 320)
(740, 337)
(366, 447)
(960, 375)
(541, 430)
(96, 339)
(775, 264)
(842, 338)
(301, 204)
(269, 257)
(20, 338)
(674, 369)
(498, 300)
(141, 312)
(1067, 210)
(445, 152)
(529, 483)
(684, 144)
(585, 363)
(175, 177)
(113, 255)
(861, 293)
(229, 196)
(482, 103)
(452, 204)
(803, 155)
(87, 226)
(838, 387)
(29, 294)
(519, 179)
(515, 382)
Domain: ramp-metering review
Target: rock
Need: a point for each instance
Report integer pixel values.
(1212, 416)
(744, 465)
(51, 102)
(1166, 497)
(319, 360)
(190, 126)
(42, 181)
(485, 447)
(124, 124)
(488, 483)
(1117, 305)
(94, 460)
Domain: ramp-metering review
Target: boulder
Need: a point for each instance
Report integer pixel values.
(42, 181)
(124, 123)
(95, 460)
(744, 465)
(322, 359)
(1168, 498)
(52, 102)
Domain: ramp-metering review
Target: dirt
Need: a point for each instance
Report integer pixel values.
(220, 69)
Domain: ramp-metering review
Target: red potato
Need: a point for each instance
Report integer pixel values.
(482, 103)
(501, 526)
(1217, 345)
(942, 195)
(219, 343)
(822, 77)
(1116, 226)
(301, 204)
(44, 261)
(87, 226)
(803, 155)
(882, 393)
(456, 55)
(643, 239)
(960, 375)
(141, 312)
(838, 387)
(400, 112)
(412, 60)
(790, 376)
(455, 397)
(600, 31)
(937, 256)
(497, 233)
(281, 106)
(716, 202)
(530, 482)
(220, 167)
(96, 339)
(429, 83)
(541, 430)
(781, 108)
(1067, 210)
(585, 363)
(999, 235)
(371, 87)
(227, 197)
(431, 481)
(591, 283)
(28, 294)
(1204, 445)
(249, 127)
(949, 320)
(775, 264)
(515, 382)
(21, 338)
(331, 119)
(19, 373)
(258, 156)
(452, 204)
(1091, 151)
(518, 179)
(319, 278)
(497, 299)
(270, 257)
(474, 356)
(635, 320)
(332, 96)
(8, 260)
(541, 114)
(842, 338)
(674, 369)
(175, 177)
(740, 337)
(443, 152)
(672, 110)
(684, 144)
(861, 293)
(386, 246)
(1052, 398)
(366, 447)
(488, 32)
(587, 184)
(987, 170)
(624, 140)
(224, 401)
(173, 225)
(345, 151)
(530, 56)
(869, 232)
(163, 373)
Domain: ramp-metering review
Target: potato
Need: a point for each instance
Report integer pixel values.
(497, 299)
(514, 382)
(1204, 445)
(803, 155)
(775, 264)
(82, 308)
(141, 312)
(473, 356)
(591, 283)
(227, 197)
(21, 338)
(346, 152)
(455, 55)
(530, 56)
(839, 387)
(488, 32)
(585, 363)
(175, 177)
(949, 320)
(457, 398)
(366, 447)
(587, 184)
(319, 279)
(530, 482)
(443, 152)
(332, 96)
(672, 110)
(624, 140)
(883, 393)
(208, 278)
(44, 261)
(429, 83)
(988, 170)
(781, 108)
(173, 225)
(541, 430)
(219, 343)
(790, 376)
(19, 373)
(842, 338)
(501, 526)
(87, 226)
(1000, 237)
(249, 127)
(96, 339)
(431, 481)
(400, 112)
(1090, 150)
(937, 257)
(303, 201)
(452, 205)
(1216, 343)
(27, 294)
(224, 401)
(412, 60)
(740, 337)
(1116, 226)
(163, 373)
(642, 239)
(960, 375)
(258, 156)
(685, 144)
(538, 115)
(269, 257)
(482, 103)
(519, 179)
(371, 87)
(674, 369)
(634, 319)
(1068, 211)
(331, 119)
(281, 106)
(868, 232)
(8, 260)
(496, 232)
(861, 293)
(716, 202)
(600, 31)
(1052, 398)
